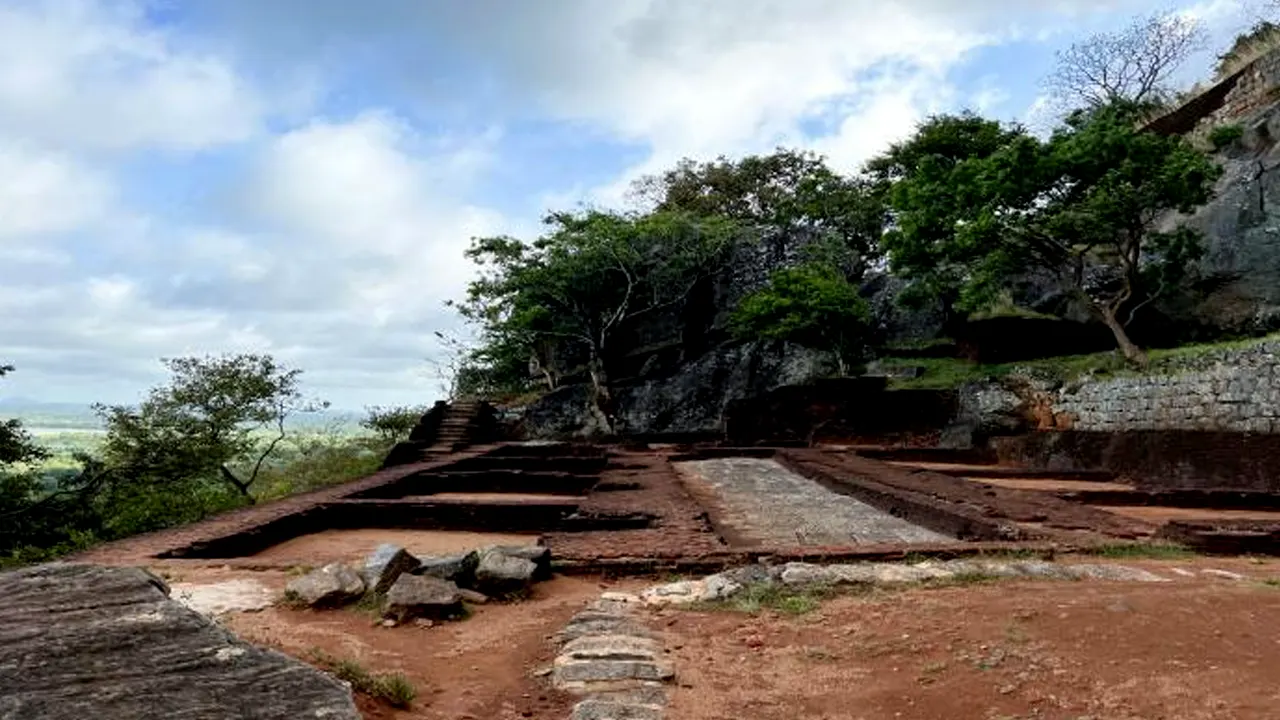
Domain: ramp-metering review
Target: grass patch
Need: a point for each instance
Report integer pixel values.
(1149, 551)
(1272, 582)
(293, 600)
(770, 596)
(391, 688)
(948, 373)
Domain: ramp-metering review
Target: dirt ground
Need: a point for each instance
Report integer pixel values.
(1154, 514)
(329, 546)
(1201, 649)
(479, 668)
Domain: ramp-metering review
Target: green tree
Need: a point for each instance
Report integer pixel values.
(16, 444)
(1082, 206)
(392, 424)
(589, 280)
(917, 177)
(812, 305)
(789, 197)
(217, 421)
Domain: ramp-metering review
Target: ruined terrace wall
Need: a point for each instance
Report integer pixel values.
(1233, 390)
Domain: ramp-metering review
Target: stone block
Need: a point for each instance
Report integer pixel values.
(384, 565)
(458, 569)
(331, 585)
(501, 574)
(414, 596)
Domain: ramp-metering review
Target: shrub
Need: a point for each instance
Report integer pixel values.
(391, 688)
(1224, 135)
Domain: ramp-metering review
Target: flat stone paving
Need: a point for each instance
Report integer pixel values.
(767, 503)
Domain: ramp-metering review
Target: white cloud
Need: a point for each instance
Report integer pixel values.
(43, 193)
(92, 75)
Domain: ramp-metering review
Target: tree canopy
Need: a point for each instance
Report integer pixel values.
(1082, 206)
(588, 280)
(216, 421)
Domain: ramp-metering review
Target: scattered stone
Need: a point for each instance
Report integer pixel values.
(83, 641)
(1121, 573)
(385, 565)
(414, 596)
(501, 574)
(620, 597)
(539, 555)
(473, 597)
(333, 584)
(458, 569)
(388, 623)
(1224, 574)
(424, 623)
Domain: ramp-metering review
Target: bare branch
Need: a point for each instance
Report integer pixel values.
(1134, 64)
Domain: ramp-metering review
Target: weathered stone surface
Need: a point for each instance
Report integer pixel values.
(472, 596)
(615, 625)
(501, 574)
(539, 555)
(333, 584)
(597, 709)
(422, 596)
(611, 647)
(82, 641)
(458, 569)
(569, 672)
(242, 595)
(385, 564)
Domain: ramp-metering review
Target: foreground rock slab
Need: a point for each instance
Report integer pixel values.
(83, 641)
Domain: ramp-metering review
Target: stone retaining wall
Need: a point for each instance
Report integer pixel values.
(1236, 390)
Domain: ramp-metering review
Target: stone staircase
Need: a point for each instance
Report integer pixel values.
(455, 429)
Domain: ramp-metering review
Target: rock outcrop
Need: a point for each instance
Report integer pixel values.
(692, 399)
(83, 641)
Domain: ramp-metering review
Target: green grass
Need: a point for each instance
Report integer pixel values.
(1148, 551)
(771, 596)
(391, 688)
(1272, 582)
(948, 373)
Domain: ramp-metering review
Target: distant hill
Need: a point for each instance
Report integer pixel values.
(74, 416)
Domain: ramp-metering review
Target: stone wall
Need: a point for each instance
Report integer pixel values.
(1233, 390)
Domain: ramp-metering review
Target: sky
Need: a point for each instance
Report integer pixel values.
(301, 177)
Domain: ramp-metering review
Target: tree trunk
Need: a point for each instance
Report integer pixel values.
(601, 398)
(235, 481)
(1132, 352)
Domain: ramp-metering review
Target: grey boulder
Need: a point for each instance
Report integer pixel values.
(414, 596)
(459, 569)
(333, 584)
(539, 555)
(502, 574)
(386, 564)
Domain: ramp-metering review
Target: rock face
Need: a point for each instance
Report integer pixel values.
(539, 555)
(501, 574)
(82, 641)
(385, 564)
(414, 596)
(692, 399)
(331, 585)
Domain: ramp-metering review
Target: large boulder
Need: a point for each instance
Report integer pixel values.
(414, 596)
(82, 641)
(386, 563)
(459, 569)
(501, 574)
(333, 584)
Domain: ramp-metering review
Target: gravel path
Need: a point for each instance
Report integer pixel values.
(767, 503)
